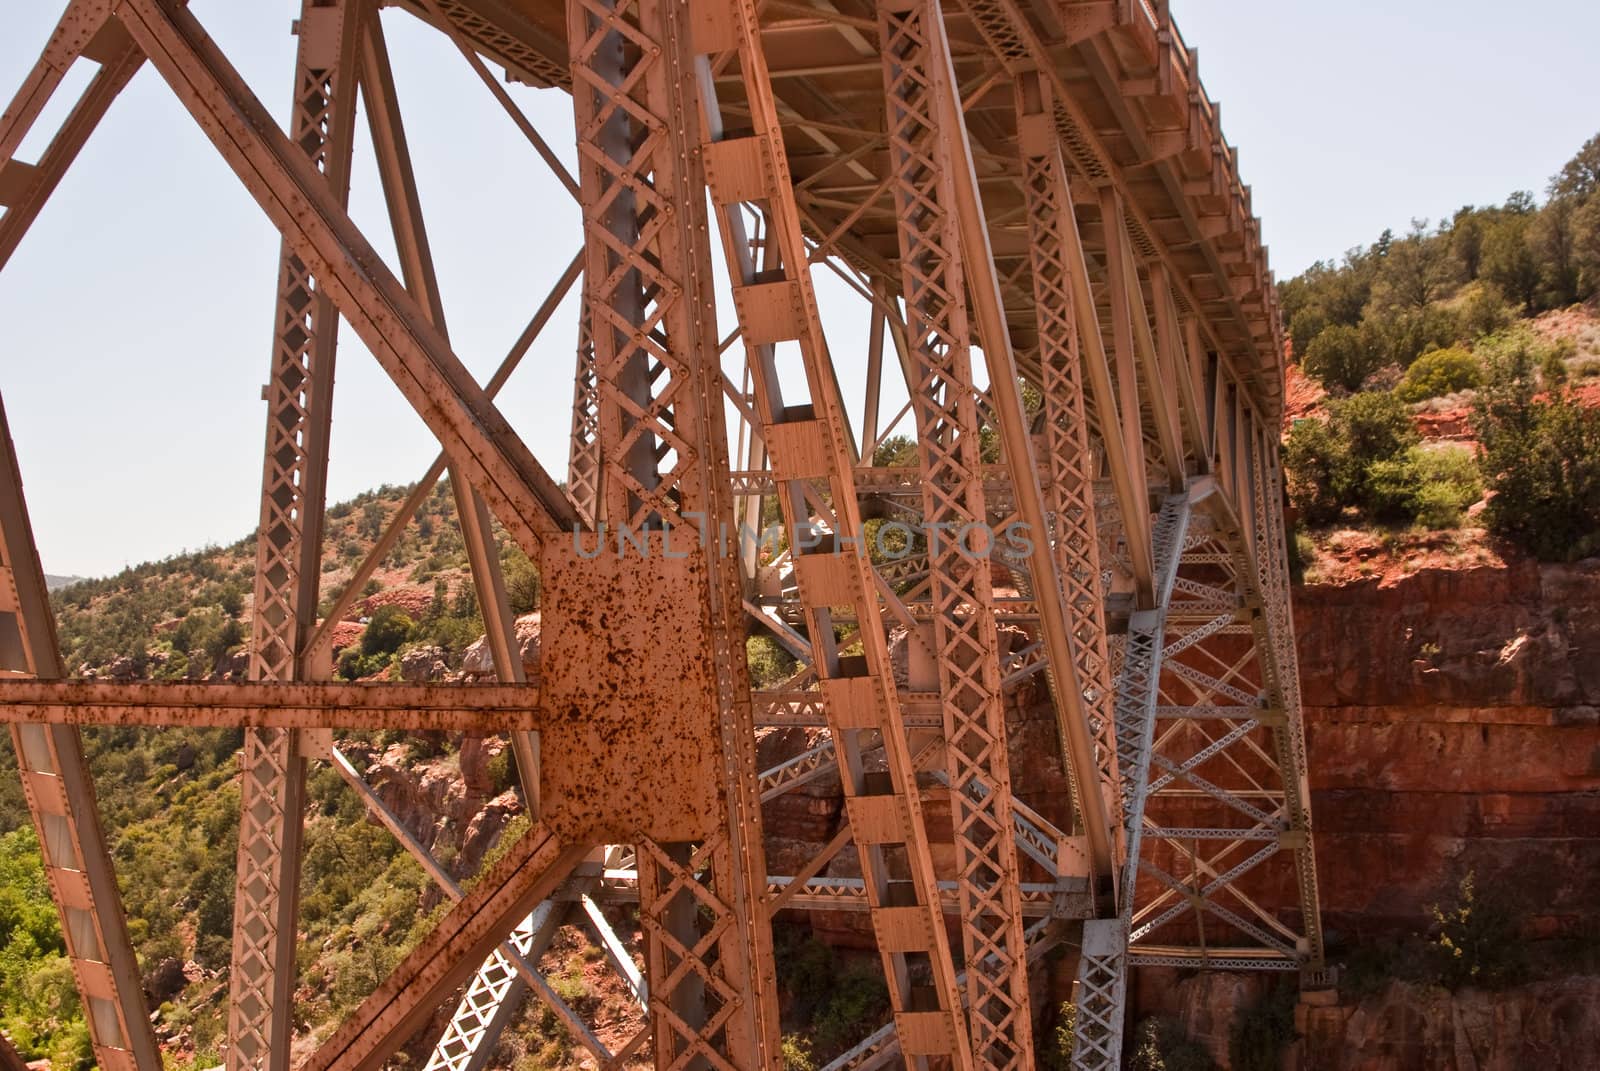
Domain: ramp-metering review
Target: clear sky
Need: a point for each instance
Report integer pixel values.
(137, 313)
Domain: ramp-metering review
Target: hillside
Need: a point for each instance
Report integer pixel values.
(169, 798)
(1448, 381)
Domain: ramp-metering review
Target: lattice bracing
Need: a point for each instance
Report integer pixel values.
(944, 399)
(936, 178)
(1068, 453)
(289, 558)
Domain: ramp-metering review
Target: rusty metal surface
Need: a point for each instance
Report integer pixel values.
(60, 797)
(1092, 214)
(474, 708)
(627, 697)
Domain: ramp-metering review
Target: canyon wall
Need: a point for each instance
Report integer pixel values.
(1453, 725)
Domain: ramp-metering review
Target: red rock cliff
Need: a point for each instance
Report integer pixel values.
(1452, 724)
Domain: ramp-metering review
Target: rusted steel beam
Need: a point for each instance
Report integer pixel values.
(660, 453)
(60, 796)
(472, 708)
(288, 574)
(390, 321)
(936, 200)
(1068, 452)
(416, 265)
(448, 956)
(25, 188)
(1005, 391)
(810, 445)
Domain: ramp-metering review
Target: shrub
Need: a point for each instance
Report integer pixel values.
(1484, 311)
(859, 1000)
(1311, 457)
(1161, 1045)
(1429, 485)
(1403, 335)
(769, 661)
(1342, 357)
(1541, 458)
(1439, 372)
(502, 774)
(1375, 427)
(523, 584)
(1474, 940)
(1330, 464)
(1055, 1053)
(796, 1053)
(388, 628)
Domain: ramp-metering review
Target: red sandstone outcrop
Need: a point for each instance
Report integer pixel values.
(1552, 1026)
(1453, 724)
(443, 803)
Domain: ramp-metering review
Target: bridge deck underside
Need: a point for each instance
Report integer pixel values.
(1136, 112)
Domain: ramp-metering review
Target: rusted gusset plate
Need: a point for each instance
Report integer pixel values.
(469, 708)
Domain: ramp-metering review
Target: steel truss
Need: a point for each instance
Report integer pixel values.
(967, 175)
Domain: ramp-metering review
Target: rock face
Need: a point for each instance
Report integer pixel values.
(444, 803)
(477, 661)
(1453, 724)
(1553, 1026)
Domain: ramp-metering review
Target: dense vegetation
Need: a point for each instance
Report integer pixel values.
(1434, 315)
(169, 799)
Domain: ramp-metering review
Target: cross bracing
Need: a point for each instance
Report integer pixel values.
(1034, 209)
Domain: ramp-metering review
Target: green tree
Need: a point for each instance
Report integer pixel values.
(1330, 463)
(1315, 461)
(1580, 177)
(1399, 336)
(1483, 311)
(1467, 232)
(388, 628)
(1586, 247)
(1342, 357)
(1554, 238)
(894, 452)
(1416, 270)
(1509, 260)
(1541, 457)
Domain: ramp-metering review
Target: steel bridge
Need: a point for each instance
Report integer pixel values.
(1033, 207)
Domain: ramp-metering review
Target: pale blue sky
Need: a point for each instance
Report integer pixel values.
(137, 312)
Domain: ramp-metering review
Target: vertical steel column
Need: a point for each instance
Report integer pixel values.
(288, 560)
(663, 464)
(1103, 968)
(1282, 673)
(60, 795)
(583, 455)
(1068, 455)
(812, 459)
(966, 641)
